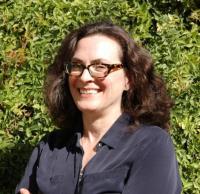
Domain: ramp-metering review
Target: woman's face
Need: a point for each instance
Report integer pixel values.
(95, 95)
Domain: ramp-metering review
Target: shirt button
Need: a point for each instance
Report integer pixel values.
(98, 146)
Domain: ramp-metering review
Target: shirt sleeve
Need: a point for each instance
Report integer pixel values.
(28, 180)
(155, 169)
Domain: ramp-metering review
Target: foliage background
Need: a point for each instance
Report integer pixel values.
(30, 34)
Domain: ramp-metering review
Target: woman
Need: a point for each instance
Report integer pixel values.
(114, 114)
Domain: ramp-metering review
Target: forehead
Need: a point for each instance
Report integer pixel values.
(98, 46)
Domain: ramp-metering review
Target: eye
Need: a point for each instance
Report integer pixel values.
(76, 66)
(100, 67)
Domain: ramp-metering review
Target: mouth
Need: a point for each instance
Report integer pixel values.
(88, 91)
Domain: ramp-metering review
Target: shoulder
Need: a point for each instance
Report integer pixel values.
(56, 139)
(151, 132)
(150, 137)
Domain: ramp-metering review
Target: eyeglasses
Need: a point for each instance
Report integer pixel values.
(96, 70)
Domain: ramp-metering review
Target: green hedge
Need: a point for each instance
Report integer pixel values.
(30, 34)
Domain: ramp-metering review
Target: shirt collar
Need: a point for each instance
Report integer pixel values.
(117, 130)
(112, 136)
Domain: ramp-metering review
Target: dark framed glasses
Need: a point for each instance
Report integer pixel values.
(96, 70)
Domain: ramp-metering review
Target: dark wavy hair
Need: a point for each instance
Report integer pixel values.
(146, 101)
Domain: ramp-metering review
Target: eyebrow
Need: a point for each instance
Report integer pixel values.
(75, 59)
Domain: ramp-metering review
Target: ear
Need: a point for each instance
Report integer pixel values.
(127, 84)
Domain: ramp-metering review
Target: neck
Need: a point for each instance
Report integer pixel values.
(96, 125)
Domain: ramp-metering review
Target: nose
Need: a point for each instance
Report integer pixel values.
(85, 76)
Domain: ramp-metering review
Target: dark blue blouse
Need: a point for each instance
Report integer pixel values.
(140, 161)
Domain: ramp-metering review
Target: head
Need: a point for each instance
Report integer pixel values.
(142, 94)
(98, 90)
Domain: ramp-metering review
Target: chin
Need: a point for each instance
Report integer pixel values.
(87, 108)
(88, 105)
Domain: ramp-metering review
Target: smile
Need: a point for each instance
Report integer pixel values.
(88, 91)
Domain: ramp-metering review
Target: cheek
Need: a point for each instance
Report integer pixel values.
(72, 87)
(104, 85)
(72, 83)
(117, 83)
(109, 85)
